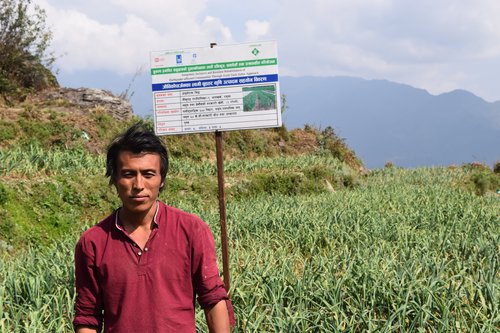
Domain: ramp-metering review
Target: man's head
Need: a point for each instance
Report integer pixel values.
(137, 140)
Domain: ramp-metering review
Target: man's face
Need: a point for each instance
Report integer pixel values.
(138, 181)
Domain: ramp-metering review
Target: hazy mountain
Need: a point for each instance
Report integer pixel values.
(386, 121)
(381, 120)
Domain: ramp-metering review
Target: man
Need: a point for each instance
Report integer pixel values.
(140, 269)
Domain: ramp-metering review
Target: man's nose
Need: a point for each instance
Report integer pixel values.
(139, 183)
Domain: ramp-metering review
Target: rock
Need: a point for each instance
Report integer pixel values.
(88, 98)
(329, 186)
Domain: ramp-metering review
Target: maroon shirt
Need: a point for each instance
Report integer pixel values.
(149, 290)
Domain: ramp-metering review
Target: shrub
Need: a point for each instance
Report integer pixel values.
(389, 165)
(496, 167)
(481, 178)
(24, 39)
(485, 181)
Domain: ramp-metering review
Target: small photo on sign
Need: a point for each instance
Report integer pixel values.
(259, 98)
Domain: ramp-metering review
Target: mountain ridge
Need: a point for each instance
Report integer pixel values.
(387, 121)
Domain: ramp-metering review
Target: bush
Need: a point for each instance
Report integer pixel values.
(481, 178)
(496, 167)
(24, 40)
(485, 181)
(389, 165)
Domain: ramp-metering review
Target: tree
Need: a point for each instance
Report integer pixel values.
(24, 42)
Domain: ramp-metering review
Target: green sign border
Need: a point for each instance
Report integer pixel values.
(214, 66)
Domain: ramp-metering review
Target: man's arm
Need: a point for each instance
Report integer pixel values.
(212, 295)
(88, 313)
(217, 318)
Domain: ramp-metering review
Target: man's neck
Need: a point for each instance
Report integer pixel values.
(131, 220)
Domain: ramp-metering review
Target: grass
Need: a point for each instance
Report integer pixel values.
(56, 183)
(35, 160)
(400, 257)
(405, 251)
(392, 251)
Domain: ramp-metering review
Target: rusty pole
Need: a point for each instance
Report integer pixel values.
(222, 209)
(222, 205)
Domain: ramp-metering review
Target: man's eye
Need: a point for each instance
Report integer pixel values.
(149, 175)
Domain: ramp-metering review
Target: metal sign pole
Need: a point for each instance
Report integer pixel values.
(222, 209)
(222, 205)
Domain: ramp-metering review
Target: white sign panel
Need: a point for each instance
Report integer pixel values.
(216, 89)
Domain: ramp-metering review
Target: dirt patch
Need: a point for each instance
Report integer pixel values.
(302, 141)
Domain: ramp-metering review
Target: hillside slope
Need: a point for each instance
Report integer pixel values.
(315, 245)
(52, 160)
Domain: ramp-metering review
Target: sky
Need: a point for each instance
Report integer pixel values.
(436, 45)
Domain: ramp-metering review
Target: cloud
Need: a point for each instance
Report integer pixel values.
(123, 42)
(431, 44)
(214, 27)
(88, 44)
(257, 30)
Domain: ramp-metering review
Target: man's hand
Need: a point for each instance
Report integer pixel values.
(218, 318)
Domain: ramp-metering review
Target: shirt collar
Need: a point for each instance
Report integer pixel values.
(119, 226)
(156, 214)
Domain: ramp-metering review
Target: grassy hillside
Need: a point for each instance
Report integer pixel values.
(52, 166)
(405, 250)
(316, 243)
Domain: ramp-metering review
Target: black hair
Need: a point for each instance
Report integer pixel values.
(137, 139)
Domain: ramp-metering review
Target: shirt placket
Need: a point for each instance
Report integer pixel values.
(142, 255)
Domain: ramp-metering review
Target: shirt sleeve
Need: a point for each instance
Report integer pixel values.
(88, 303)
(206, 280)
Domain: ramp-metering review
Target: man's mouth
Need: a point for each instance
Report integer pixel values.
(139, 198)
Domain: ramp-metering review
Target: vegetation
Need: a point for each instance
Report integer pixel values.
(401, 252)
(60, 182)
(24, 42)
(54, 124)
(316, 245)
(482, 180)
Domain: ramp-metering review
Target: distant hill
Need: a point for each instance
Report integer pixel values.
(386, 121)
(381, 120)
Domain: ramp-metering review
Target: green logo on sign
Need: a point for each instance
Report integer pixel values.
(255, 52)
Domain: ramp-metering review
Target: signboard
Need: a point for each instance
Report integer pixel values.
(216, 89)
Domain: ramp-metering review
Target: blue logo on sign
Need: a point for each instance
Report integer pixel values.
(178, 58)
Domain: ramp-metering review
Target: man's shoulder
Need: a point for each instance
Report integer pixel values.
(94, 239)
(181, 217)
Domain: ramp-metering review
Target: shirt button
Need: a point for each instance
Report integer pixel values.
(139, 253)
(145, 249)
